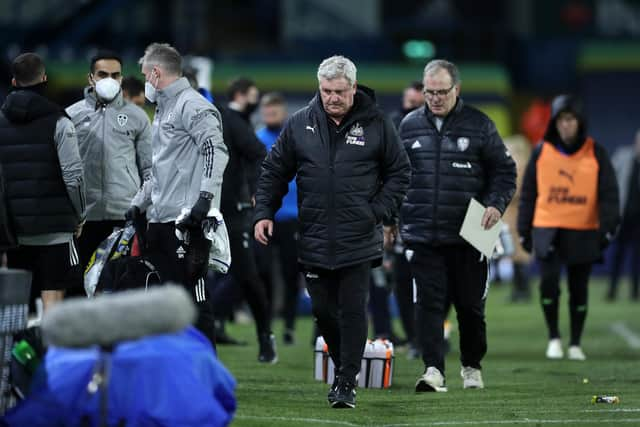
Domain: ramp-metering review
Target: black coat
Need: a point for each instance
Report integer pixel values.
(345, 187)
(465, 159)
(246, 153)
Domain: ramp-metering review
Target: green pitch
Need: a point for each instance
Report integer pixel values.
(522, 387)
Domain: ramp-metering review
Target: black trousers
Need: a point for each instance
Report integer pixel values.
(339, 304)
(185, 264)
(244, 271)
(285, 238)
(404, 295)
(628, 241)
(450, 274)
(578, 280)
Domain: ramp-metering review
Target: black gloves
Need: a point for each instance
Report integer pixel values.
(133, 214)
(198, 212)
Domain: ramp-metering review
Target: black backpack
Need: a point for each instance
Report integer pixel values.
(128, 272)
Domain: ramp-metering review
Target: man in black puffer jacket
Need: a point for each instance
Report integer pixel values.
(351, 173)
(456, 154)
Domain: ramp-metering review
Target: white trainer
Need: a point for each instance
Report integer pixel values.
(554, 349)
(576, 353)
(431, 380)
(471, 377)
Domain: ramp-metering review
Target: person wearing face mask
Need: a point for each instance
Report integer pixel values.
(43, 177)
(273, 111)
(243, 96)
(567, 216)
(114, 137)
(189, 159)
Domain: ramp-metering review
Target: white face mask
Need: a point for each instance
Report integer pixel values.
(107, 88)
(149, 91)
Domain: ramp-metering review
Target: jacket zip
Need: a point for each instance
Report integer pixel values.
(103, 204)
(331, 212)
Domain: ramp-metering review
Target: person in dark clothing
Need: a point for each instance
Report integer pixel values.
(456, 154)
(351, 174)
(243, 96)
(44, 182)
(568, 214)
(412, 98)
(273, 111)
(133, 90)
(246, 153)
(626, 163)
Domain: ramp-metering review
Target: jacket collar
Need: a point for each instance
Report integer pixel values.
(172, 90)
(92, 99)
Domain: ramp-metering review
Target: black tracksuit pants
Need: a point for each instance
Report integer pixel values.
(244, 269)
(578, 280)
(339, 304)
(185, 264)
(450, 274)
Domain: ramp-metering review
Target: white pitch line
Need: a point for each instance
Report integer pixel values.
(520, 421)
(613, 410)
(632, 339)
(297, 420)
(446, 423)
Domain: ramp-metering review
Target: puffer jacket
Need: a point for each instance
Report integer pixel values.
(345, 189)
(465, 159)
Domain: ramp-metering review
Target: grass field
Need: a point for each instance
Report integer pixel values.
(522, 387)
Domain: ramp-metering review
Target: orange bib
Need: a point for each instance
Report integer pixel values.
(567, 188)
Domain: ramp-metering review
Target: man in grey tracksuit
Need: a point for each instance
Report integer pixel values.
(189, 158)
(114, 137)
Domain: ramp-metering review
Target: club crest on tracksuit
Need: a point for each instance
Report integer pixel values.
(355, 135)
(122, 119)
(463, 143)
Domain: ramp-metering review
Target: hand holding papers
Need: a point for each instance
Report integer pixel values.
(474, 233)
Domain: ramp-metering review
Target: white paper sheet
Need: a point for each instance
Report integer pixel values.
(471, 230)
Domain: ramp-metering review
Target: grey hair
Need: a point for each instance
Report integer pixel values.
(441, 64)
(163, 55)
(337, 66)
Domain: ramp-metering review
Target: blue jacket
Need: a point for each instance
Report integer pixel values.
(289, 209)
(164, 380)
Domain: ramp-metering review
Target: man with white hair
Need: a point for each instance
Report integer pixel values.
(352, 174)
(189, 158)
(456, 154)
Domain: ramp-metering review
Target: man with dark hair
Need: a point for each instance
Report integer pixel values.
(45, 189)
(238, 191)
(412, 98)
(114, 137)
(243, 96)
(273, 111)
(133, 90)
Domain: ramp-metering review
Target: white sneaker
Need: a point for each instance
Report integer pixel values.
(554, 349)
(432, 380)
(471, 377)
(576, 353)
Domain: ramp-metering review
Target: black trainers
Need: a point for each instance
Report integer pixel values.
(267, 344)
(345, 395)
(331, 396)
(288, 337)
